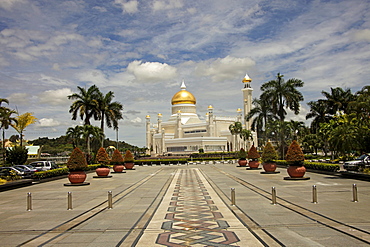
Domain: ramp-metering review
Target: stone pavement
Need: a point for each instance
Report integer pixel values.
(188, 205)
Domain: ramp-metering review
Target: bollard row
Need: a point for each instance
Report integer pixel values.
(69, 201)
(314, 195)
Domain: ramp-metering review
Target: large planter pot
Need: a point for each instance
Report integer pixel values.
(118, 168)
(242, 162)
(296, 171)
(102, 171)
(254, 164)
(269, 166)
(129, 165)
(77, 177)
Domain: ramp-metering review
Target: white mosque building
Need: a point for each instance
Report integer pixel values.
(184, 133)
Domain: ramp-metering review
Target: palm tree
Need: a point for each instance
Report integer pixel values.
(282, 95)
(245, 135)
(296, 129)
(22, 122)
(110, 112)
(319, 113)
(338, 99)
(262, 115)
(86, 104)
(74, 134)
(235, 129)
(89, 132)
(6, 120)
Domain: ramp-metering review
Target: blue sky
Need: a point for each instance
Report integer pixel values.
(142, 50)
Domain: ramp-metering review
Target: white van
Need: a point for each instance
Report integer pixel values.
(44, 165)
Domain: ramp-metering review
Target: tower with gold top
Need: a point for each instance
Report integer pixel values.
(247, 99)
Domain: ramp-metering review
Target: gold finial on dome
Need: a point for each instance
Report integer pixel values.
(246, 79)
(147, 116)
(210, 107)
(159, 114)
(239, 110)
(183, 96)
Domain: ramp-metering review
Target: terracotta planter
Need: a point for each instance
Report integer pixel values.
(296, 171)
(102, 171)
(242, 162)
(129, 165)
(77, 177)
(269, 166)
(118, 168)
(254, 164)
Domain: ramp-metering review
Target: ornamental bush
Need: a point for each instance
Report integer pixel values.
(102, 157)
(269, 153)
(128, 158)
(242, 154)
(294, 155)
(253, 154)
(17, 155)
(117, 158)
(77, 161)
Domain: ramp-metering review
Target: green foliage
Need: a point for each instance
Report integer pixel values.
(117, 158)
(242, 154)
(13, 175)
(253, 154)
(77, 161)
(294, 155)
(59, 172)
(17, 155)
(201, 150)
(102, 157)
(128, 158)
(269, 153)
(314, 166)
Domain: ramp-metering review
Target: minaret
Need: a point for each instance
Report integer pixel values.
(159, 123)
(148, 135)
(178, 133)
(247, 99)
(211, 126)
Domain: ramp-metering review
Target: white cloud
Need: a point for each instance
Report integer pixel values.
(136, 120)
(49, 80)
(224, 68)
(19, 98)
(362, 35)
(169, 4)
(151, 71)
(48, 122)
(56, 97)
(94, 76)
(101, 9)
(8, 4)
(130, 7)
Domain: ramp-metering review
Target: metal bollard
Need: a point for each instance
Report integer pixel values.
(354, 191)
(29, 201)
(314, 194)
(273, 196)
(110, 200)
(69, 207)
(233, 196)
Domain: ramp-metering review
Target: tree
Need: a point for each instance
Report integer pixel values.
(86, 104)
(245, 135)
(17, 155)
(6, 120)
(235, 129)
(338, 99)
(22, 122)
(89, 132)
(319, 113)
(282, 95)
(75, 134)
(262, 114)
(110, 112)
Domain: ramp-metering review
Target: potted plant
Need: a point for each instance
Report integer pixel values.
(253, 157)
(117, 161)
(129, 160)
(242, 157)
(269, 156)
(77, 165)
(295, 160)
(103, 159)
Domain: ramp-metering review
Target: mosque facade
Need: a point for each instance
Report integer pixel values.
(185, 133)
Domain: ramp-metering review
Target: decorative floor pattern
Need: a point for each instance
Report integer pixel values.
(191, 214)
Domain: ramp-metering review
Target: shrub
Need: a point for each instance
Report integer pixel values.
(117, 158)
(102, 157)
(294, 154)
(129, 158)
(253, 154)
(17, 155)
(242, 154)
(77, 161)
(269, 153)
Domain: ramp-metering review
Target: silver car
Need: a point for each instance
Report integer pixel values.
(358, 164)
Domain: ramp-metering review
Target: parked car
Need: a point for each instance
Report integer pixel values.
(6, 171)
(30, 170)
(358, 164)
(44, 165)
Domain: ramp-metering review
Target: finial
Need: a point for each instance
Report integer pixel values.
(183, 86)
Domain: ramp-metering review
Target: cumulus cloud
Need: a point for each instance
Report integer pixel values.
(224, 68)
(56, 97)
(136, 120)
(151, 71)
(48, 122)
(362, 35)
(128, 6)
(94, 76)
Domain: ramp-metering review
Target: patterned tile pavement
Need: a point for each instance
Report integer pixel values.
(191, 214)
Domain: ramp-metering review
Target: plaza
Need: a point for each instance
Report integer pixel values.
(188, 205)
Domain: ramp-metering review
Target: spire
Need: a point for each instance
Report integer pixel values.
(183, 86)
(246, 78)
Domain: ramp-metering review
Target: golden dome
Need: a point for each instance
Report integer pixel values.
(183, 97)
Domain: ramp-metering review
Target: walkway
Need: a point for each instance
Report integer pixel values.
(188, 206)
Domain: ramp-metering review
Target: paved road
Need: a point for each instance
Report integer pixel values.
(189, 206)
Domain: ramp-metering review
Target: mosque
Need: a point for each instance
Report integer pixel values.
(184, 133)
